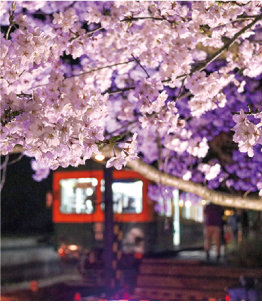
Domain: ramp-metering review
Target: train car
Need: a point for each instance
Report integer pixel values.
(78, 213)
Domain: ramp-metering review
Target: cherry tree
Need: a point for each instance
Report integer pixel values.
(171, 89)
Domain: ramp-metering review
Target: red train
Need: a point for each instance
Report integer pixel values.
(78, 213)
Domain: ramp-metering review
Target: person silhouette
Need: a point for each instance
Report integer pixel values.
(130, 207)
(213, 225)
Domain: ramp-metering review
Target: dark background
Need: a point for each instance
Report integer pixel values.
(23, 200)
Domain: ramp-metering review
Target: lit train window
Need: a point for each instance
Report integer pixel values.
(78, 195)
(127, 195)
(164, 207)
(192, 211)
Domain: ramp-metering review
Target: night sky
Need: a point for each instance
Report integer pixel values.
(23, 209)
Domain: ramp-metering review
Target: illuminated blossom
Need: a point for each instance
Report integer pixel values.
(136, 71)
(41, 170)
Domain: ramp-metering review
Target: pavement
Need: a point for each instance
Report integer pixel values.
(17, 251)
(42, 283)
(200, 255)
(21, 251)
(73, 277)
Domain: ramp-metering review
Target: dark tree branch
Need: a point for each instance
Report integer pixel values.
(4, 168)
(226, 45)
(98, 69)
(138, 61)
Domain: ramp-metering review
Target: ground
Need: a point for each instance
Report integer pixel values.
(57, 292)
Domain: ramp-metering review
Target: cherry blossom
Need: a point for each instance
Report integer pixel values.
(161, 80)
(41, 170)
(210, 171)
(117, 161)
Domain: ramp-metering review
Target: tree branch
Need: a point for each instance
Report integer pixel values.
(98, 69)
(138, 61)
(219, 198)
(4, 167)
(145, 18)
(154, 175)
(226, 45)
(118, 91)
(95, 30)
(211, 59)
(15, 160)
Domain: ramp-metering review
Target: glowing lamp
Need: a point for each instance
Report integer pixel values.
(181, 203)
(99, 157)
(73, 247)
(188, 204)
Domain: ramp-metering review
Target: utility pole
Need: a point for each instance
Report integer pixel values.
(108, 229)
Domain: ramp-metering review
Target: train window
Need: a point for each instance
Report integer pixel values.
(192, 211)
(127, 195)
(164, 207)
(78, 195)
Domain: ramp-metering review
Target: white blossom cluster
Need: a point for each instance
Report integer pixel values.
(247, 134)
(138, 49)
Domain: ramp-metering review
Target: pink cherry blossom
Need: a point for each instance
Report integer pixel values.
(131, 74)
